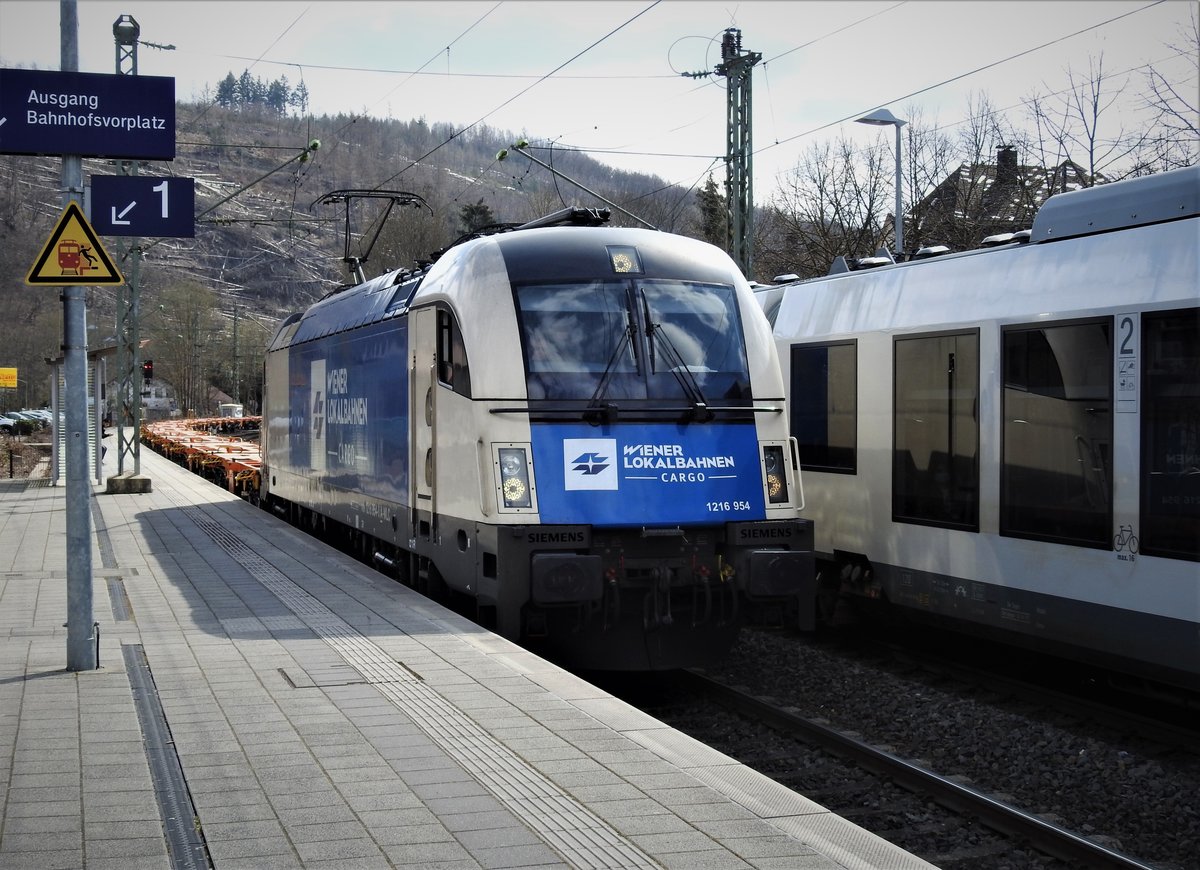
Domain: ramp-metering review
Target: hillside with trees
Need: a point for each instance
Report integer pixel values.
(269, 241)
(265, 247)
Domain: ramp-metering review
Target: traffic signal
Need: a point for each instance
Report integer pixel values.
(147, 369)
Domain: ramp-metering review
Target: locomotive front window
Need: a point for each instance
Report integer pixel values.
(629, 340)
(571, 334)
(694, 327)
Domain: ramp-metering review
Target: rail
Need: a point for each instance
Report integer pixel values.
(1039, 833)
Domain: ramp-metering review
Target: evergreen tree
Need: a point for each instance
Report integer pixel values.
(714, 216)
(250, 89)
(477, 216)
(227, 94)
(299, 98)
(278, 94)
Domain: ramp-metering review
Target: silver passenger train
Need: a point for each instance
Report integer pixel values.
(1007, 441)
(578, 429)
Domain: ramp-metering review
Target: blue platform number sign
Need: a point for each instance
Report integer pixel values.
(139, 205)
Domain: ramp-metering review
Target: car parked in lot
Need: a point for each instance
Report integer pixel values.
(23, 422)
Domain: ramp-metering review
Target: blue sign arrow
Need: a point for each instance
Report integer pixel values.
(141, 205)
(89, 114)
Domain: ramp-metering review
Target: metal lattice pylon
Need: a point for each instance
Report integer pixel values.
(737, 66)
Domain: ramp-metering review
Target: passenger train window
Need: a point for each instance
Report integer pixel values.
(935, 460)
(1170, 406)
(824, 405)
(452, 355)
(1056, 471)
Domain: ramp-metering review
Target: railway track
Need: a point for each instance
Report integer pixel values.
(1063, 689)
(1123, 780)
(1029, 829)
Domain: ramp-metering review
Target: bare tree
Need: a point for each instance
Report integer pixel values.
(185, 344)
(832, 204)
(410, 236)
(928, 155)
(1076, 125)
(238, 351)
(1174, 136)
(989, 191)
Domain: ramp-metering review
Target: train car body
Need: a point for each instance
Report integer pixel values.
(1007, 441)
(581, 428)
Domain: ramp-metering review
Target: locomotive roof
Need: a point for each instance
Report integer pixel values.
(580, 253)
(557, 253)
(369, 302)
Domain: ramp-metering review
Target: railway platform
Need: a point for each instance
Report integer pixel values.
(264, 701)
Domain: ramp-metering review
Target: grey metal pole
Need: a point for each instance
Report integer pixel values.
(81, 651)
(899, 199)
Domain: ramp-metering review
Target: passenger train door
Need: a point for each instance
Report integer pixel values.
(422, 397)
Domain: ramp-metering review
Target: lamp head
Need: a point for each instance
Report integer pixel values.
(881, 118)
(126, 30)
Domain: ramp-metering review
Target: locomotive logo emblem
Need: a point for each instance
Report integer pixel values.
(316, 405)
(318, 414)
(588, 463)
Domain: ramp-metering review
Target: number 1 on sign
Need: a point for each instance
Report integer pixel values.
(162, 189)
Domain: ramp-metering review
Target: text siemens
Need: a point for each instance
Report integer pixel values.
(556, 537)
(757, 533)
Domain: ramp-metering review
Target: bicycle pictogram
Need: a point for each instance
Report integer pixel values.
(1126, 538)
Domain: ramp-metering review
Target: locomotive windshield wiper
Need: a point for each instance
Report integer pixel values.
(606, 412)
(683, 374)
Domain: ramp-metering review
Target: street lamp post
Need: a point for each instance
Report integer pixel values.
(882, 118)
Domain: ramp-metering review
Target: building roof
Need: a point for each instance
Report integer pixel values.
(982, 199)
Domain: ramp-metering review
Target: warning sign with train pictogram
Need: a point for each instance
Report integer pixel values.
(73, 255)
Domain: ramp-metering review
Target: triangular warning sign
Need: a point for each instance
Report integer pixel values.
(73, 255)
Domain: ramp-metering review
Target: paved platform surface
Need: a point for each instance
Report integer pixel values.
(312, 713)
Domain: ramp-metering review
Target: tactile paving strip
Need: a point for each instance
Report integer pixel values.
(580, 836)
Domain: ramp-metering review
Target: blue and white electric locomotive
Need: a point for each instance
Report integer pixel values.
(580, 427)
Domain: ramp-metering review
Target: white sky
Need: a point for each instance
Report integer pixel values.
(824, 63)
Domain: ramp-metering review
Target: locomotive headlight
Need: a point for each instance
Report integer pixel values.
(514, 492)
(512, 463)
(514, 477)
(624, 260)
(775, 474)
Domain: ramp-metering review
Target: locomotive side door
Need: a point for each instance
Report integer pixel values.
(422, 396)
